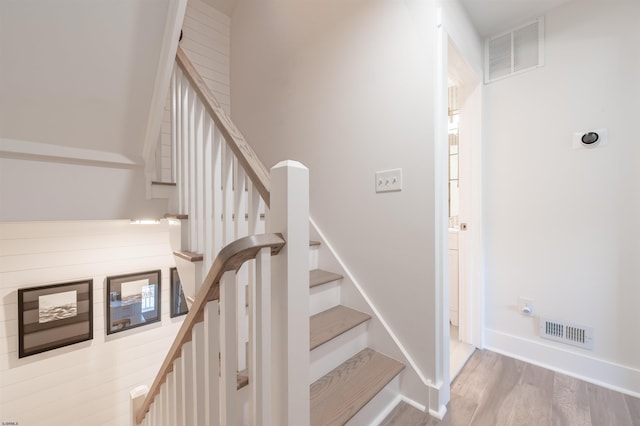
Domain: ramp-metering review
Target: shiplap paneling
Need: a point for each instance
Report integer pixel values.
(89, 382)
(206, 41)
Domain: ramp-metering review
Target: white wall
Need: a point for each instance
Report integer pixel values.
(89, 382)
(346, 87)
(67, 189)
(562, 225)
(206, 41)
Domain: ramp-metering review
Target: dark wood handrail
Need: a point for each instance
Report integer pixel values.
(247, 157)
(230, 258)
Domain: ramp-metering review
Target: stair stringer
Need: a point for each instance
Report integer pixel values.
(413, 387)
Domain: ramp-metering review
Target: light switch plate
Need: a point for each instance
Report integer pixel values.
(389, 180)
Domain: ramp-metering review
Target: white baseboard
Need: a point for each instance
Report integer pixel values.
(582, 366)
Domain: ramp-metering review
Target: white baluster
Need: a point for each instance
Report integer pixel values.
(290, 297)
(229, 349)
(198, 342)
(212, 366)
(171, 399)
(184, 130)
(193, 190)
(259, 341)
(177, 130)
(217, 187)
(208, 189)
(160, 397)
(179, 396)
(240, 230)
(199, 175)
(227, 194)
(174, 109)
(187, 382)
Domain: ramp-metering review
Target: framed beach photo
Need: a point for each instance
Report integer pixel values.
(133, 300)
(54, 316)
(177, 299)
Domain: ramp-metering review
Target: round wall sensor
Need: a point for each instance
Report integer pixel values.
(590, 138)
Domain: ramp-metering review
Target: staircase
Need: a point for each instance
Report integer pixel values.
(220, 369)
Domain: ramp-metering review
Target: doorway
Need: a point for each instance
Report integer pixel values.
(464, 222)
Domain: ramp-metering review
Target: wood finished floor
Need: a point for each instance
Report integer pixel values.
(494, 390)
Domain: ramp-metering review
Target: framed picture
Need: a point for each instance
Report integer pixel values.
(133, 300)
(54, 316)
(178, 301)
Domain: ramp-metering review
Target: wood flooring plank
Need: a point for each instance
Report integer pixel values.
(534, 396)
(339, 395)
(318, 277)
(570, 402)
(332, 323)
(460, 411)
(607, 408)
(499, 395)
(404, 414)
(633, 406)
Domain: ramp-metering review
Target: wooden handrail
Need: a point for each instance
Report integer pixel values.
(230, 258)
(246, 156)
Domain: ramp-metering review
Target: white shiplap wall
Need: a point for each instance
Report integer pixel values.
(206, 41)
(87, 383)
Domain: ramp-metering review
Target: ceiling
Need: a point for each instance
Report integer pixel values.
(79, 74)
(493, 16)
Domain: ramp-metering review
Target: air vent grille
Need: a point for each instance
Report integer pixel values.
(572, 334)
(514, 51)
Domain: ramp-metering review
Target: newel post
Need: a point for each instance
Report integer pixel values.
(289, 215)
(137, 396)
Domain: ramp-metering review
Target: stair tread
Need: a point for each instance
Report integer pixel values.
(339, 395)
(190, 256)
(332, 323)
(318, 277)
(163, 183)
(314, 243)
(176, 216)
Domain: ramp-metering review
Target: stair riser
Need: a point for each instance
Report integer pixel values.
(326, 357)
(313, 257)
(324, 297)
(380, 406)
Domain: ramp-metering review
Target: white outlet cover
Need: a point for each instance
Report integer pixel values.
(526, 302)
(389, 180)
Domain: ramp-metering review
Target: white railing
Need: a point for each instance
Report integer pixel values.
(225, 191)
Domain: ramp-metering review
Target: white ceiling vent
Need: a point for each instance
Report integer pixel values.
(515, 51)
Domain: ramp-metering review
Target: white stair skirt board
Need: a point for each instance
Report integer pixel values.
(323, 297)
(567, 361)
(380, 406)
(326, 357)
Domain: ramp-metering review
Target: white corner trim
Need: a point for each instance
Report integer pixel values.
(375, 310)
(36, 150)
(582, 366)
(438, 407)
(173, 24)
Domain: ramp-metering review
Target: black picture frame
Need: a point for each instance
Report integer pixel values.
(178, 302)
(132, 300)
(53, 316)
